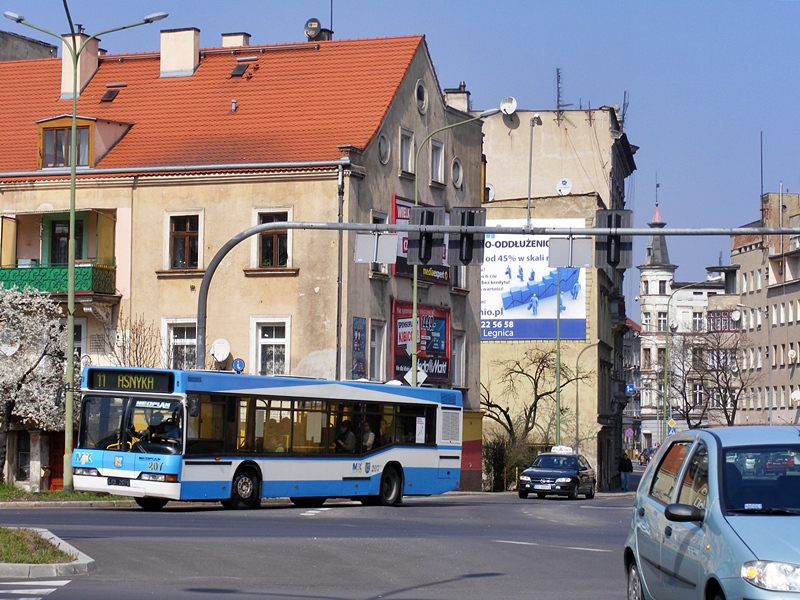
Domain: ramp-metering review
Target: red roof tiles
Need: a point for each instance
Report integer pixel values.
(295, 103)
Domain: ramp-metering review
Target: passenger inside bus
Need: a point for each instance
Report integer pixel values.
(346, 440)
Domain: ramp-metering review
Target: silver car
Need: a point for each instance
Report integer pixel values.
(704, 527)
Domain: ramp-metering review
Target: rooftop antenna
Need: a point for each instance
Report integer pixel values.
(331, 15)
(658, 185)
(624, 110)
(559, 106)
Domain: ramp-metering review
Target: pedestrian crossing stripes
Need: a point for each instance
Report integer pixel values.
(29, 590)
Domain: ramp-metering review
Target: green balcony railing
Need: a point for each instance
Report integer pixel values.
(89, 277)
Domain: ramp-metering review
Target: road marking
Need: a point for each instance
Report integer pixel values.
(550, 546)
(21, 592)
(312, 513)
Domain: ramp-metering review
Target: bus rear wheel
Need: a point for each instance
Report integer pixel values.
(245, 491)
(151, 503)
(391, 490)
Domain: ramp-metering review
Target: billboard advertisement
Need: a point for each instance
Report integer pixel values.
(519, 289)
(433, 336)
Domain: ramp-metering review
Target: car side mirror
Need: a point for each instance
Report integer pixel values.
(684, 513)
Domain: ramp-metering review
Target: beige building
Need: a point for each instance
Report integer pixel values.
(556, 169)
(769, 303)
(182, 149)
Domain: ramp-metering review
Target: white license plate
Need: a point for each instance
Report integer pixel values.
(542, 486)
(119, 481)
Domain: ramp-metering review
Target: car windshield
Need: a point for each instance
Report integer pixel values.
(553, 461)
(762, 479)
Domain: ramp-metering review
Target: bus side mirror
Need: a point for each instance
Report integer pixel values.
(193, 405)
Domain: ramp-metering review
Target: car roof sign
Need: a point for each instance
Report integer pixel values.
(562, 450)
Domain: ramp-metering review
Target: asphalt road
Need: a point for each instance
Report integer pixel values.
(452, 546)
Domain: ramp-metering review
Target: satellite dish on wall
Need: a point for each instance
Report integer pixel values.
(736, 315)
(490, 195)
(564, 187)
(220, 350)
(792, 354)
(508, 106)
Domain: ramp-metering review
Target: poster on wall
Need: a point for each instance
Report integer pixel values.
(359, 370)
(519, 289)
(401, 214)
(433, 335)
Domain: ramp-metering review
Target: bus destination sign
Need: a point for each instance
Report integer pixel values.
(131, 381)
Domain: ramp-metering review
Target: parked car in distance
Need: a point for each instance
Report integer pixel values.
(560, 472)
(707, 525)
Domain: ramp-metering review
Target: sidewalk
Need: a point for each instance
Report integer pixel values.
(82, 563)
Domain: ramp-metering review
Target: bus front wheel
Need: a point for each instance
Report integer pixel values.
(245, 491)
(151, 503)
(391, 491)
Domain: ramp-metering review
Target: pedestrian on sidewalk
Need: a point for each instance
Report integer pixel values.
(625, 470)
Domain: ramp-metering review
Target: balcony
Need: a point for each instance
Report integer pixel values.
(90, 278)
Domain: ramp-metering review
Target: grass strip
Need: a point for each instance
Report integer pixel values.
(28, 547)
(11, 493)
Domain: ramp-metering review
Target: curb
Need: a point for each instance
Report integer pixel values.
(82, 563)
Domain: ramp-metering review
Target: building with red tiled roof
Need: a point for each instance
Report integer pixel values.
(181, 150)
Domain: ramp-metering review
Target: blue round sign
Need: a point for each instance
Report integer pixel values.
(238, 365)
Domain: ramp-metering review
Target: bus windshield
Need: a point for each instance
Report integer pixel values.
(125, 424)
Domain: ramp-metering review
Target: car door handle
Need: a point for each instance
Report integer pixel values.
(668, 531)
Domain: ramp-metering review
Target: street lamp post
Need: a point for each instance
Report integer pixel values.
(70, 42)
(415, 271)
(577, 397)
(767, 318)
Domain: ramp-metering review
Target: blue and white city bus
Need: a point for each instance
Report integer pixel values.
(158, 435)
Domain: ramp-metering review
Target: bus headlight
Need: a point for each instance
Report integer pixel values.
(771, 575)
(85, 471)
(159, 477)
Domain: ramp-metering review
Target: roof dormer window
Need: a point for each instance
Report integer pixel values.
(56, 144)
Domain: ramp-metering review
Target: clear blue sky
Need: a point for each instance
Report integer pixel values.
(704, 80)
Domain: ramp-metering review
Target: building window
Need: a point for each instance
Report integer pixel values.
(720, 320)
(645, 288)
(182, 346)
(184, 238)
(458, 276)
(421, 94)
(758, 281)
(377, 343)
(59, 242)
(457, 173)
(273, 245)
(23, 455)
(272, 349)
(406, 151)
(437, 162)
(384, 149)
(457, 360)
(662, 287)
(661, 356)
(646, 360)
(646, 321)
(697, 358)
(662, 321)
(697, 394)
(56, 147)
(697, 321)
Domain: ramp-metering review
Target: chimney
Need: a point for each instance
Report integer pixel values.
(180, 52)
(240, 38)
(458, 98)
(87, 63)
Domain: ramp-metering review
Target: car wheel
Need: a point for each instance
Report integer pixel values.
(151, 503)
(573, 495)
(590, 493)
(634, 582)
(245, 490)
(541, 495)
(523, 495)
(718, 595)
(391, 490)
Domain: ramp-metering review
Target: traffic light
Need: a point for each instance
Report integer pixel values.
(614, 251)
(426, 248)
(467, 246)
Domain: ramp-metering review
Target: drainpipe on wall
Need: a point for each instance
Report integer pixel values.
(338, 372)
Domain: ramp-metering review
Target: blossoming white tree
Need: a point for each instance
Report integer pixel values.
(32, 343)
